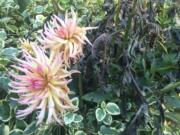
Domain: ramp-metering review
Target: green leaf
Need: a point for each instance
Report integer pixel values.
(12, 28)
(173, 101)
(80, 133)
(144, 132)
(46, 132)
(65, 2)
(20, 124)
(108, 131)
(30, 129)
(97, 96)
(78, 118)
(175, 117)
(4, 129)
(103, 105)
(108, 119)
(12, 103)
(2, 38)
(4, 62)
(75, 101)
(10, 52)
(4, 111)
(69, 118)
(3, 34)
(2, 43)
(112, 109)
(39, 9)
(118, 125)
(23, 4)
(100, 114)
(16, 132)
(170, 87)
(4, 83)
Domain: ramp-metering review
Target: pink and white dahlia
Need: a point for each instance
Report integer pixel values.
(41, 84)
(65, 36)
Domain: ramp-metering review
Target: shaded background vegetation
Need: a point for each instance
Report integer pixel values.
(134, 62)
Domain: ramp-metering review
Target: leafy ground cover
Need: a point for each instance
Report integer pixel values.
(130, 77)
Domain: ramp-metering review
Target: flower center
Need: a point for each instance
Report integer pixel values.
(37, 84)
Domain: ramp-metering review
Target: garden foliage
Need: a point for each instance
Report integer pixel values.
(129, 81)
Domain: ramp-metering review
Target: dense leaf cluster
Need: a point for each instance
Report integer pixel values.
(130, 77)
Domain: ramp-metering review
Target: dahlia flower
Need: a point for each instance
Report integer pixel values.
(42, 85)
(65, 36)
(26, 46)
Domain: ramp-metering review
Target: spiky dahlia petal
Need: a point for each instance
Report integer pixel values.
(26, 46)
(65, 36)
(42, 85)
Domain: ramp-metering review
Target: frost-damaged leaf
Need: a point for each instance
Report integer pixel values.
(30, 129)
(100, 114)
(5, 111)
(112, 109)
(16, 132)
(97, 96)
(69, 118)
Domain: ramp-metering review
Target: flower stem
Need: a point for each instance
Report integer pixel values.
(80, 90)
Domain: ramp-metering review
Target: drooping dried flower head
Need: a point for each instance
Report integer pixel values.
(65, 36)
(42, 85)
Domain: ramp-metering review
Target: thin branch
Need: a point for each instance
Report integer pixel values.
(80, 88)
(138, 89)
(135, 118)
(127, 31)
